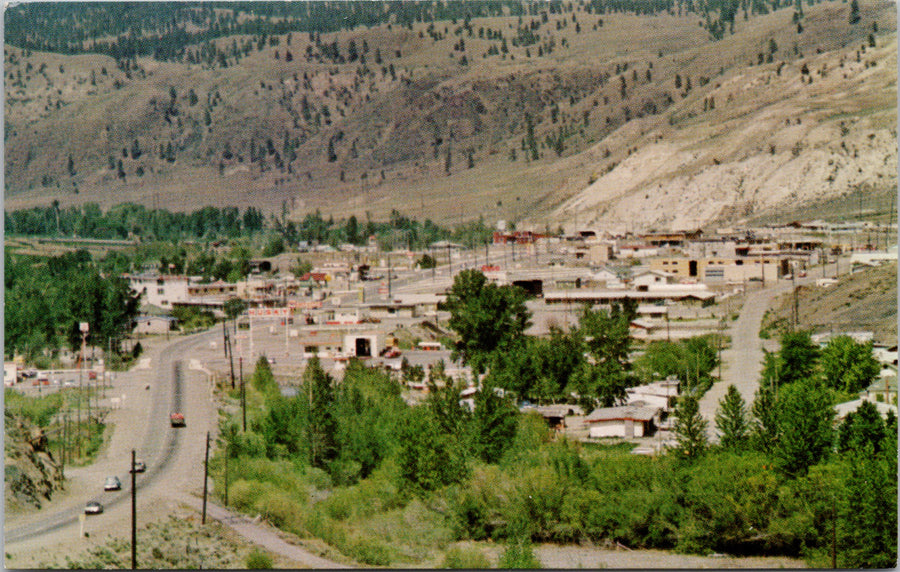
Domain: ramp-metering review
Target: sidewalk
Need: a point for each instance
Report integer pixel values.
(260, 534)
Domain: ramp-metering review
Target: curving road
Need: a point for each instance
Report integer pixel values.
(174, 459)
(141, 423)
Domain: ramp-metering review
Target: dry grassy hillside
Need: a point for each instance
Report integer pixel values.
(616, 140)
(863, 301)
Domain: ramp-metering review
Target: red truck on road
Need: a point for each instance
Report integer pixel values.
(177, 420)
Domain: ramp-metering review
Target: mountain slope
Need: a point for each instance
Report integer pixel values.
(617, 131)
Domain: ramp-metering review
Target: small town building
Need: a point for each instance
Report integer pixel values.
(362, 345)
(555, 415)
(625, 421)
(657, 394)
(154, 324)
(162, 290)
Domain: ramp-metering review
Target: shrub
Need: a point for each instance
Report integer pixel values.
(518, 554)
(464, 558)
(369, 551)
(478, 507)
(258, 560)
(243, 493)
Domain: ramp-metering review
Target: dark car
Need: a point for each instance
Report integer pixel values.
(93, 507)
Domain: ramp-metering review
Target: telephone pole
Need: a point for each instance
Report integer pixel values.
(133, 514)
(243, 394)
(205, 477)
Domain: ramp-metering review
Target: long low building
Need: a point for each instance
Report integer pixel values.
(608, 296)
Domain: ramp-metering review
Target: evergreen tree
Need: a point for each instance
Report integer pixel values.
(731, 420)
(318, 388)
(764, 425)
(854, 11)
(690, 428)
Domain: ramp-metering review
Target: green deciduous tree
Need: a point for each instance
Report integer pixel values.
(607, 371)
(804, 415)
(493, 424)
(486, 317)
(869, 534)
(797, 357)
(429, 458)
(847, 365)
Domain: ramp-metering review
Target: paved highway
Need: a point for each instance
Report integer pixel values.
(174, 457)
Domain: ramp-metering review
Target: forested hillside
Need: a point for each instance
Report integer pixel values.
(511, 108)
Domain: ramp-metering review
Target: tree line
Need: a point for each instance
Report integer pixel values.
(47, 299)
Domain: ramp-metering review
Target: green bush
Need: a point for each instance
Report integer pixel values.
(369, 551)
(518, 554)
(478, 506)
(258, 560)
(242, 494)
(464, 558)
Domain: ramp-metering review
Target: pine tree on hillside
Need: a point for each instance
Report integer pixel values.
(731, 420)
(690, 428)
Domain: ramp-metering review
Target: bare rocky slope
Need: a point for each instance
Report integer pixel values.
(31, 474)
(638, 121)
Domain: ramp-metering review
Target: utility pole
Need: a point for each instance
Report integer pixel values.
(205, 477)
(133, 514)
(226, 475)
(243, 395)
(231, 361)
(225, 338)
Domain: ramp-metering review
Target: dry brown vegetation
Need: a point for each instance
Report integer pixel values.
(864, 300)
(745, 138)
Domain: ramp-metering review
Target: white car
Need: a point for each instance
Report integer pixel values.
(112, 484)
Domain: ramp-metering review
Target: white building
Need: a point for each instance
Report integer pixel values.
(10, 373)
(160, 290)
(656, 394)
(625, 421)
